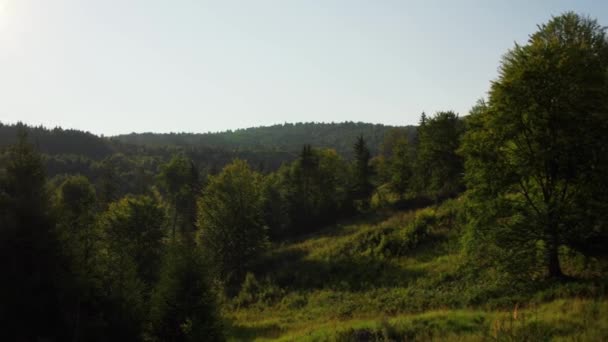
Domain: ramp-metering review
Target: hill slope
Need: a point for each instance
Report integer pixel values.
(402, 276)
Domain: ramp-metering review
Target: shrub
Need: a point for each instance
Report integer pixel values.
(253, 291)
(418, 231)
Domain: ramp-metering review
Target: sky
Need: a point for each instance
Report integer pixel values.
(121, 66)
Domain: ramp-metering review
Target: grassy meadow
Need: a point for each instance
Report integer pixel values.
(403, 276)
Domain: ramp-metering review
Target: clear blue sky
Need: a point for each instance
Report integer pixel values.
(117, 66)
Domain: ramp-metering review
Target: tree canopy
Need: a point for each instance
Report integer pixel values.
(539, 146)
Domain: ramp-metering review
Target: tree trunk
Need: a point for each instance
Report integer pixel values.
(552, 252)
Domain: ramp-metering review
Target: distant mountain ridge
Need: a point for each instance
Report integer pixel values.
(57, 140)
(288, 137)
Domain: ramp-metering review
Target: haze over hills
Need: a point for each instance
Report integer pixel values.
(287, 137)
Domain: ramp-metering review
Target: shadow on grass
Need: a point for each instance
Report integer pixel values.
(236, 332)
(291, 270)
(339, 228)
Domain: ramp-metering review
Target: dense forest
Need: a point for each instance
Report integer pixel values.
(131, 161)
(286, 137)
(487, 226)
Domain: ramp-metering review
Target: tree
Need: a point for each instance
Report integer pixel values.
(276, 205)
(439, 167)
(180, 180)
(362, 187)
(29, 250)
(316, 187)
(75, 209)
(183, 306)
(75, 206)
(539, 146)
(231, 221)
(133, 229)
(400, 168)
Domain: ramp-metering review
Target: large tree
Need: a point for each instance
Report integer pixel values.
(231, 221)
(538, 149)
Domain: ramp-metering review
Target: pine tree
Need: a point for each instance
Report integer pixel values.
(362, 187)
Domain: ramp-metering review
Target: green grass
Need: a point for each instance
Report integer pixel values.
(401, 276)
(568, 320)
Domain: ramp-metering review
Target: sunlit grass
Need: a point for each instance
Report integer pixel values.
(350, 282)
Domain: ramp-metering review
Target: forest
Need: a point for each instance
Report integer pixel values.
(488, 226)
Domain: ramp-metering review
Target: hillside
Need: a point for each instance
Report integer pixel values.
(400, 276)
(70, 151)
(286, 137)
(58, 141)
(136, 157)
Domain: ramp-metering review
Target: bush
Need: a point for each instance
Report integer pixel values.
(253, 291)
(418, 231)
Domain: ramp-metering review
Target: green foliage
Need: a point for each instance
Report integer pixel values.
(284, 137)
(230, 217)
(180, 180)
(401, 167)
(317, 188)
(57, 140)
(29, 250)
(438, 167)
(183, 307)
(535, 149)
(79, 235)
(133, 231)
(419, 230)
(276, 206)
(257, 292)
(362, 175)
(75, 209)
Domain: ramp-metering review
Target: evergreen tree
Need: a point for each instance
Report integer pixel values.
(362, 187)
(439, 167)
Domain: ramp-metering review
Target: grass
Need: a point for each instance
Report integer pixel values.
(400, 276)
(567, 320)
